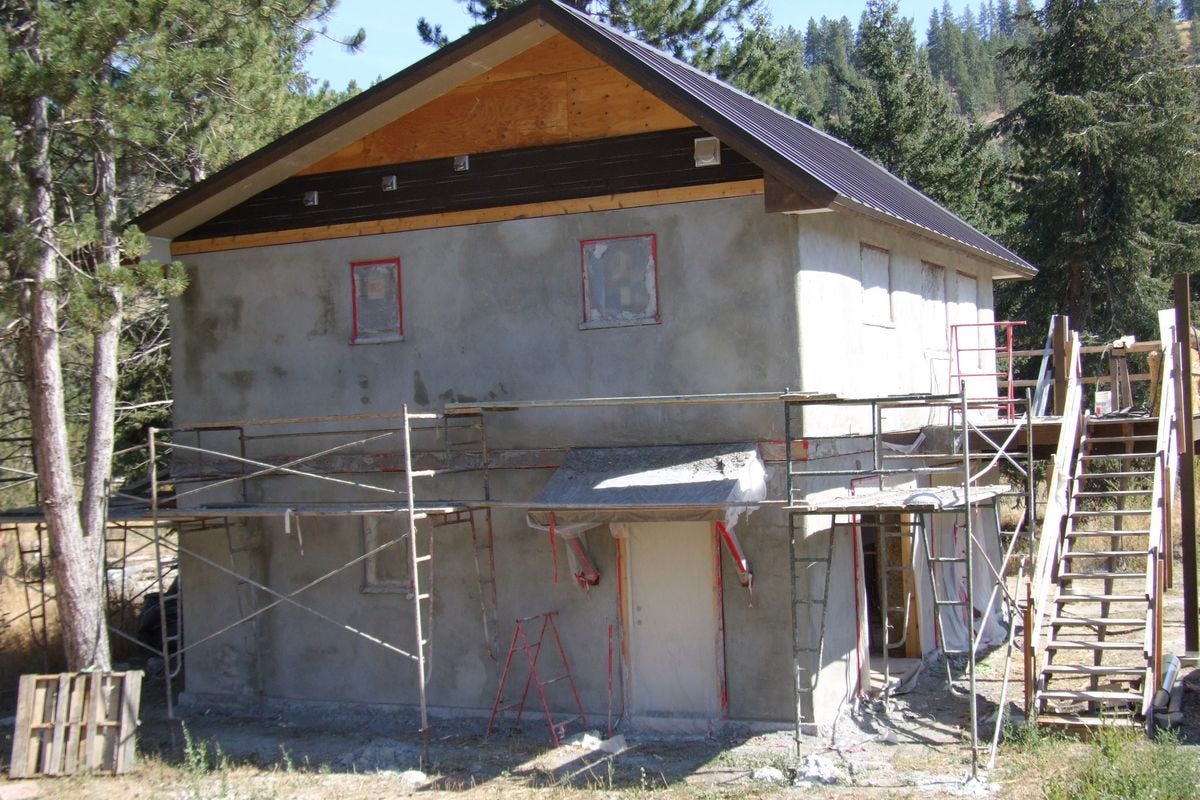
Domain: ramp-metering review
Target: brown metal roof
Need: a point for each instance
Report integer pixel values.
(763, 133)
(816, 164)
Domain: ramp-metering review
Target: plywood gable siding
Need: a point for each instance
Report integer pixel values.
(554, 92)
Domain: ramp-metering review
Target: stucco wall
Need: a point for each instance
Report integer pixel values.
(492, 312)
(848, 351)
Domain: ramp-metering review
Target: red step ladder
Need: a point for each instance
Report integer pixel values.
(532, 651)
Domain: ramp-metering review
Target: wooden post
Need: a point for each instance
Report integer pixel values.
(1058, 358)
(1187, 476)
(1027, 635)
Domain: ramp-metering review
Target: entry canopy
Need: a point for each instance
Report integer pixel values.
(598, 485)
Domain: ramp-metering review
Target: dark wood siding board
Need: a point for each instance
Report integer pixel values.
(620, 165)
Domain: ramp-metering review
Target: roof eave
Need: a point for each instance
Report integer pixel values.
(1005, 269)
(435, 74)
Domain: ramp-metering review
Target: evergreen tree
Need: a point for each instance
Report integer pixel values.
(899, 116)
(692, 30)
(1107, 145)
(1004, 19)
(89, 93)
(831, 72)
(768, 64)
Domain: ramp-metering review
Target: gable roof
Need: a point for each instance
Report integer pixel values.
(818, 166)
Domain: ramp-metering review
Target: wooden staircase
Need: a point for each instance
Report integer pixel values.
(1099, 655)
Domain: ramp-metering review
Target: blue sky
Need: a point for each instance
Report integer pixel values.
(392, 42)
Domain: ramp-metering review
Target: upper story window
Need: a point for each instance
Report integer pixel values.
(876, 284)
(620, 281)
(378, 310)
(934, 321)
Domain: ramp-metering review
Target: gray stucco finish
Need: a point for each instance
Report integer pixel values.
(492, 312)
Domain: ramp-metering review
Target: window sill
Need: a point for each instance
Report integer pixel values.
(625, 323)
(386, 588)
(395, 337)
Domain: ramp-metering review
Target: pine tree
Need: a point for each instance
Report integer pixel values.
(692, 30)
(768, 63)
(1107, 145)
(832, 72)
(899, 116)
(98, 100)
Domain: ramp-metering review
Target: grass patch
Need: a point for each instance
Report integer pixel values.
(1123, 765)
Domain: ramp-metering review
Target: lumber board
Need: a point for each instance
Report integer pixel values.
(683, 194)
(58, 734)
(23, 750)
(75, 723)
(91, 750)
(44, 713)
(131, 694)
(107, 734)
(553, 92)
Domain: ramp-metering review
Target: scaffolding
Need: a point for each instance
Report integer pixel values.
(969, 452)
(202, 477)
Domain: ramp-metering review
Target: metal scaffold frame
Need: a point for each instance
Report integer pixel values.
(960, 461)
(165, 515)
(198, 468)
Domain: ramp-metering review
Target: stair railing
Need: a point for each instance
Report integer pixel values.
(1166, 460)
(1058, 500)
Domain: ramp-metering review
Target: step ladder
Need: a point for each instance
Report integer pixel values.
(1099, 653)
(532, 650)
(809, 570)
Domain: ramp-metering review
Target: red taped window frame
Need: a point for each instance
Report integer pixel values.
(605, 323)
(373, 337)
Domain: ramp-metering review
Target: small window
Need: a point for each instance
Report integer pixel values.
(934, 326)
(378, 315)
(620, 281)
(965, 313)
(387, 571)
(876, 284)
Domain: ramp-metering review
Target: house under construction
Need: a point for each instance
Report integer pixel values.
(552, 351)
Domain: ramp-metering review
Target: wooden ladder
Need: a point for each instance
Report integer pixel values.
(1098, 655)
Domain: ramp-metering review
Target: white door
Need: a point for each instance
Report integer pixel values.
(674, 639)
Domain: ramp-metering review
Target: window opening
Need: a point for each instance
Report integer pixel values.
(378, 314)
(620, 281)
(876, 284)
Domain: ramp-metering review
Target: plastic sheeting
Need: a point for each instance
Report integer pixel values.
(600, 485)
(950, 541)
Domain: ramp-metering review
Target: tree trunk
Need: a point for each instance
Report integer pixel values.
(97, 474)
(78, 559)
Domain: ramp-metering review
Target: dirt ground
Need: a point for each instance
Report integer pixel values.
(917, 747)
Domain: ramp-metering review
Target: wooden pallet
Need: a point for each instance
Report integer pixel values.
(73, 722)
